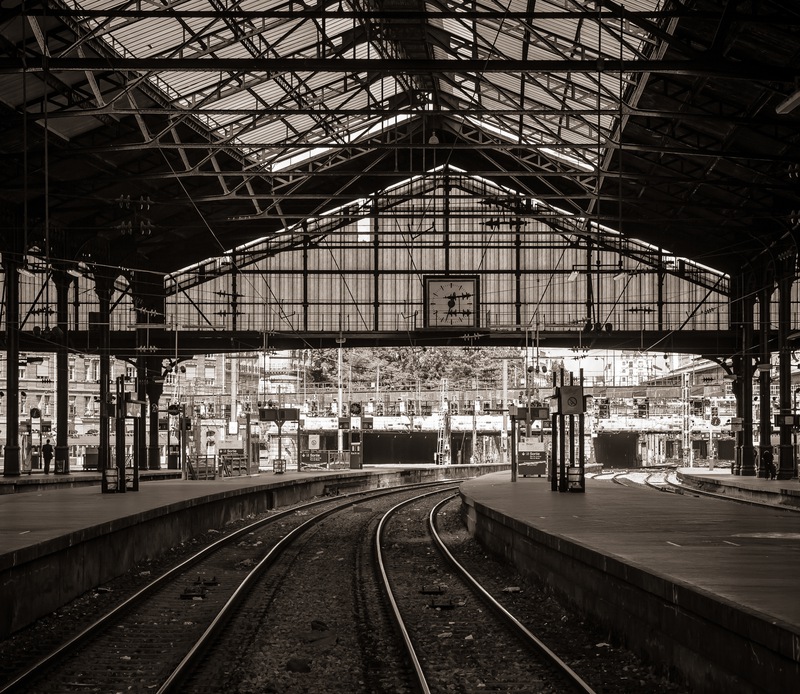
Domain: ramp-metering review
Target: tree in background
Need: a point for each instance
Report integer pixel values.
(411, 367)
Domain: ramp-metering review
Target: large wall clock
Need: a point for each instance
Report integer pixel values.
(451, 301)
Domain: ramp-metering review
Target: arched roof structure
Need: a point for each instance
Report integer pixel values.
(199, 140)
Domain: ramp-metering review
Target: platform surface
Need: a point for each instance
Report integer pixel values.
(746, 554)
(57, 509)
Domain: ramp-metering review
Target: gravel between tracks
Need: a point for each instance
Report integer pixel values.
(606, 666)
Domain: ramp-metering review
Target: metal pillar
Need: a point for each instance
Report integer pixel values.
(11, 462)
(555, 442)
(764, 379)
(119, 421)
(104, 286)
(787, 468)
(62, 281)
(140, 426)
(154, 389)
(745, 453)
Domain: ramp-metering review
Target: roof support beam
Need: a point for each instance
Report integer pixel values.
(705, 67)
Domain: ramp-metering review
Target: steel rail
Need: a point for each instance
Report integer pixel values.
(398, 618)
(217, 625)
(21, 681)
(528, 636)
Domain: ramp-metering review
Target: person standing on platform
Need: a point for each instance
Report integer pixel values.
(47, 454)
(769, 464)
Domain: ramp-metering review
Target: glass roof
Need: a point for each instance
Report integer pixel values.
(282, 118)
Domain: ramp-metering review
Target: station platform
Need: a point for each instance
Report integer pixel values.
(778, 493)
(704, 586)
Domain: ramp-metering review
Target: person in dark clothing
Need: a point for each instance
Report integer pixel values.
(47, 455)
(769, 464)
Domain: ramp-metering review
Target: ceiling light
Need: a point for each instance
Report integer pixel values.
(25, 272)
(75, 273)
(572, 276)
(789, 104)
(433, 140)
(619, 276)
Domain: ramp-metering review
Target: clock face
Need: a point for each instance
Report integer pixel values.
(451, 301)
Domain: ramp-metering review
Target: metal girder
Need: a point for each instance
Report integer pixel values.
(706, 67)
(722, 344)
(609, 9)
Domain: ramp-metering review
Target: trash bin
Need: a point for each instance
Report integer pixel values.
(112, 478)
(90, 460)
(574, 478)
(173, 457)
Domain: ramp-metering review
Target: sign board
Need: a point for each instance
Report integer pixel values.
(278, 414)
(313, 442)
(570, 400)
(536, 413)
(532, 452)
(133, 408)
(314, 457)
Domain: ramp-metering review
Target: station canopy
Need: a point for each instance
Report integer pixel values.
(157, 135)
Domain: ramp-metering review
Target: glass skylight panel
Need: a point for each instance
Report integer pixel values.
(535, 37)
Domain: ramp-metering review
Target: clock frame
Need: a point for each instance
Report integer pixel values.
(451, 301)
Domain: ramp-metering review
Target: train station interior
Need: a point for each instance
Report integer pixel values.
(189, 179)
(199, 197)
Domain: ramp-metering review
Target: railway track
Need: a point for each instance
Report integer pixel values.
(149, 642)
(296, 602)
(458, 636)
